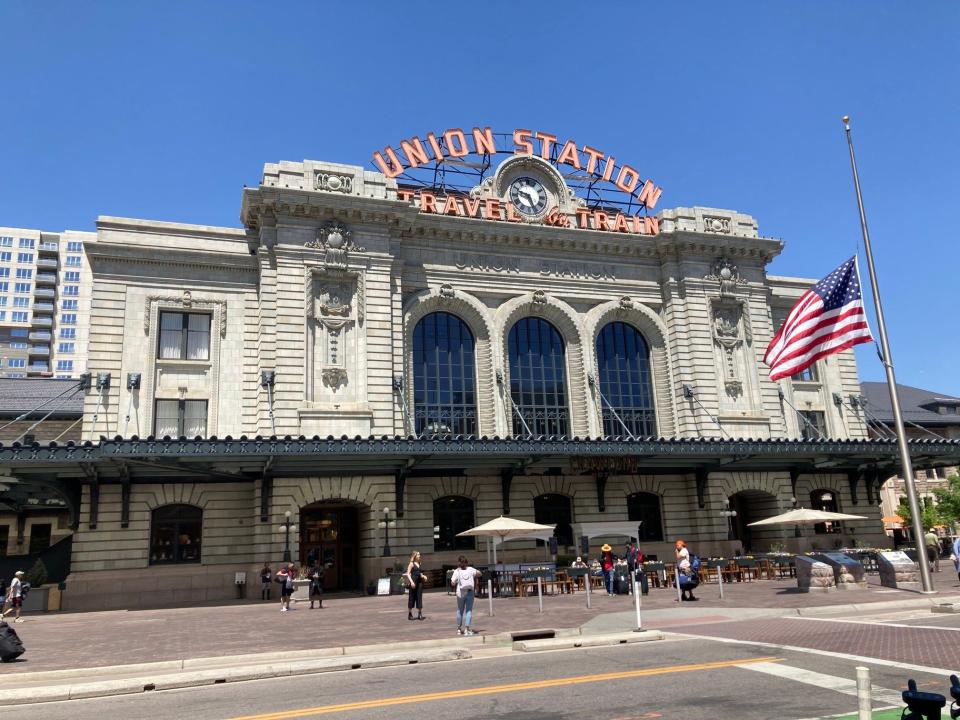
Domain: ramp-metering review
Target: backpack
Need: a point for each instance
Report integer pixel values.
(24, 589)
(695, 564)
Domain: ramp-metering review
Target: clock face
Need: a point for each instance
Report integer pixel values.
(528, 195)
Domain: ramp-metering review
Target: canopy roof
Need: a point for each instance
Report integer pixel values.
(806, 516)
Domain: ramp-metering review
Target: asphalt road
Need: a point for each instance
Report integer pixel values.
(680, 678)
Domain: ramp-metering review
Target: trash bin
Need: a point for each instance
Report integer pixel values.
(240, 580)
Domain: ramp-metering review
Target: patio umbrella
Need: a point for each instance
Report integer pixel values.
(506, 527)
(805, 516)
(891, 519)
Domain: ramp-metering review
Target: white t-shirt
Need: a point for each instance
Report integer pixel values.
(16, 588)
(462, 579)
(684, 559)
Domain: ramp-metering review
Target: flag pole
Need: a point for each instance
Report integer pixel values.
(907, 468)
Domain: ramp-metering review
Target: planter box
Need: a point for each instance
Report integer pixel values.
(301, 591)
(37, 600)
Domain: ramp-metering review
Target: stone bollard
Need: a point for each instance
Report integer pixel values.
(813, 575)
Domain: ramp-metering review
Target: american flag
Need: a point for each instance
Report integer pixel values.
(828, 318)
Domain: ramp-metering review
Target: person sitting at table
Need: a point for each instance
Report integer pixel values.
(578, 563)
(607, 562)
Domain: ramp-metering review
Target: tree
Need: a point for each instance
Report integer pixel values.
(37, 575)
(948, 500)
(929, 515)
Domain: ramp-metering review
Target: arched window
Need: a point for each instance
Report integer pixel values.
(452, 515)
(444, 396)
(555, 510)
(623, 363)
(175, 534)
(644, 507)
(825, 500)
(537, 378)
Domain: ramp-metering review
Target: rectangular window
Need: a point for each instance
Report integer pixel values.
(65, 365)
(814, 419)
(71, 289)
(5, 286)
(4, 272)
(24, 257)
(4, 534)
(73, 261)
(65, 347)
(19, 332)
(63, 377)
(808, 375)
(22, 288)
(18, 316)
(39, 537)
(21, 302)
(3, 314)
(74, 246)
(184, 336)
(3, 301)
(18, 345)
(16, 363)
(6, 241)
(68, 318)
(68, 333)
(24, 274)
(16, 375)
(6, 256)
(180, 417)
(28, 243)
(71, 276)
(69, 305)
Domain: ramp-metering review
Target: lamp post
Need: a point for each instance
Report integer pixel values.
(729, 515)
(385, 524)
(286, 527)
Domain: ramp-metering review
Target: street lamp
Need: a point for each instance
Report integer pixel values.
(385, 524)
(286, 527)
(729, 515)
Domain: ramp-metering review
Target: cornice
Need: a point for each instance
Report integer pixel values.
(165, 257)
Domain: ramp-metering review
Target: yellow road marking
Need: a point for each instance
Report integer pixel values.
(493, 689)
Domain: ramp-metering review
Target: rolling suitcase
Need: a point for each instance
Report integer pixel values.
(10, 646)
(644, 582)
(621, 585)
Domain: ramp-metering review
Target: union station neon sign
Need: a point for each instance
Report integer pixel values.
(586, 170)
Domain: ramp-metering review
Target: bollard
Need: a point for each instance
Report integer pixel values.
(588, 582)
(720, 580)
(676, 576)
(490, 595)
(636, 601)
(540, 592)
(864, 704)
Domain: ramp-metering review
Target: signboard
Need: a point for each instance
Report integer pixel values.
(897, 557)
(841, 558)
(383, 586)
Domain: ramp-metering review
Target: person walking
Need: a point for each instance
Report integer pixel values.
(607, 563)
(15, 596)
(285, 576)
(932, 542)
(684, 568)
(956, 556)
(463, 580)
(317, 575)
(414, 577)
(266, 577)
(633, 555)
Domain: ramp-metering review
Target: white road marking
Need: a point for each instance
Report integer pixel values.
(828, 682)
(879, 622)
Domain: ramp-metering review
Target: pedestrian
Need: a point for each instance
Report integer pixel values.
(414, 577)
(956, 556)
(463, 580)
(607, 563)
(932, 542)
(317, 574)
(633, 555)
(266, 577)
(15, 596)
(578, 563)
(684, 570)
(285, 576)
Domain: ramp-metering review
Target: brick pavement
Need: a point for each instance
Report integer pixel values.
(69, 640)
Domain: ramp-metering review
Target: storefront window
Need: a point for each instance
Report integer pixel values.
(444, 399)
(623, 365)
(644, 507)
(555, 510)
(537, 379)
(452, 515)
(39, 537)
(175, 534)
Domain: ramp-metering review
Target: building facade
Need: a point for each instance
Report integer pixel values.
(392, 364)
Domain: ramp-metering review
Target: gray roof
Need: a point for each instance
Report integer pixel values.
(918, 405)
(19, 395)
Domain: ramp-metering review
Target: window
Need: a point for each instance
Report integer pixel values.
(69, 305)
(175, 534)
(178, 418)
(810, 419)
(4, 287)
(73, 261)
(6, 241)
(24, 274)
(623, 361)
(71, 289)
(21, 302)
(444, 398)
(42, 365)
(807, 375)
(68, 318)
(644, 507)
(74, 246)
(27, 243)
(63, 377)
(452, 515)
(537, 378)
(18, 346)
(18, 316)
(555, 510)
(184, 336)
(6, 256)
(4, 272)
(23, 288)
(16, 375)
(24, 257)
(39, 537)
(4, 529)
(71, 276)
(68, 333)
(3, 314)
(65, 365)
(3, 301)
(66, 348)
(825, 500)
(19, 332)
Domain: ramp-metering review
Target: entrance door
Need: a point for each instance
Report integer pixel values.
(330, 533)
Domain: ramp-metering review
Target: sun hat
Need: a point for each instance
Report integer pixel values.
(606, 548)
(19, 572)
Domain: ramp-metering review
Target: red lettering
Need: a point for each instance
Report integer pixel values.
(627, 179)
(650, 194)
(392, 168)
(483, 141)
(569, 154)
(582, 215)
(608, 168)
(512, 215)
(456, 142)
(450, 207)
(428, 202)
(651, 224)
(472, 207)
(600, 221)
(435, 146)
(593, 156)
(620, 223)
(521, 140)
(404, 195)
(491, 209)
(635, 222)
(414, 152)
(546, 141)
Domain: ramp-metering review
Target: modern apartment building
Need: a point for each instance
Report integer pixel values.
(45, 287)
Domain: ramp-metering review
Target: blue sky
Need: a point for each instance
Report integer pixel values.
(164, 111)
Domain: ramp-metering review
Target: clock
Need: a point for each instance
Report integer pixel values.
(528, 196)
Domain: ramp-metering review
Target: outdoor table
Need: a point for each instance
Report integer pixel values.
(747, 569)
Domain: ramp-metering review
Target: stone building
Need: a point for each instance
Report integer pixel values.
(376, 358)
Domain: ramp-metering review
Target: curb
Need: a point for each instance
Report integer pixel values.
(563, 643)
(927, 601)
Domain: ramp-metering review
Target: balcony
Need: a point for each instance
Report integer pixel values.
(42, 321)
(43, 350)
(40, 367)
(48, 263)
(43, 307)
(48, 247)
(42, 292)
(40, 336)
(46, 278)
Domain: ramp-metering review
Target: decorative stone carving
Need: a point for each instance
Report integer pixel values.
(335, 239)
(727, 274)
(334, 377)
(447, 292)
(716, 224)
(626, 303)
(187, 302)
(334, 182)
(539, 297)
(727, 335)
(334, 296)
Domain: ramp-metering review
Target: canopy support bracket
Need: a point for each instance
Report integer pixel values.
(702, 478)
(601, 491)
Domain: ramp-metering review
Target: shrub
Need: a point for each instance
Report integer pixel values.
(37, 575)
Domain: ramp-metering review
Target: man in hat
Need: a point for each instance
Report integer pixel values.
(607, 562)
(15, 596)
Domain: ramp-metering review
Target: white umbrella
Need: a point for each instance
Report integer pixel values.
(805, 516)
(503, 528)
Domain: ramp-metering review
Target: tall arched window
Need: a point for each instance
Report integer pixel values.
(537, 378)
(623, 362)
(452, 515)
(175, 534)
(555, 510)
(825, 500)
(444, 395)
(644, 507)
